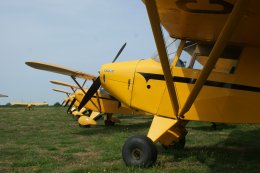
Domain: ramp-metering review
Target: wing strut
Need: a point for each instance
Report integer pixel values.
(159, 40)
(218, 48)
(74, 79)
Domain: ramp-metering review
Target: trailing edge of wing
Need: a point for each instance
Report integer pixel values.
(60, 70)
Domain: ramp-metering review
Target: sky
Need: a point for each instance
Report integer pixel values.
(77, 34)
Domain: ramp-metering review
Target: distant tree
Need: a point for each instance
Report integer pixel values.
(57, 104)
(8, 104)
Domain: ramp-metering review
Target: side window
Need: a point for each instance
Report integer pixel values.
(196, 57)
(186, 54)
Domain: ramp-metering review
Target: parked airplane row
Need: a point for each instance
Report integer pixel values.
(212, 77)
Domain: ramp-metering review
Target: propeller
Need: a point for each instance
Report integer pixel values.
(96, 84)
(66, 103)
(72, 103)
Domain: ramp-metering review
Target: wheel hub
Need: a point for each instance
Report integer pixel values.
(137, 154)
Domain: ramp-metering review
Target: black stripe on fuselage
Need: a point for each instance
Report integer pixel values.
(150, 76)
(105, 98)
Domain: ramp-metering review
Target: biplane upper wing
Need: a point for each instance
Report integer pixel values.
(60, 70)
(63, 83)
(1, 95)
(204, 20)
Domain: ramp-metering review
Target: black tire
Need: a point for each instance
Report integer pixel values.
(176, 145)
(139, 151)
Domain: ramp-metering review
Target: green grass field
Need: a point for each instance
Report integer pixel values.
(46, 139)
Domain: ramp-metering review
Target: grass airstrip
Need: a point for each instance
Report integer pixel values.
(46, 139)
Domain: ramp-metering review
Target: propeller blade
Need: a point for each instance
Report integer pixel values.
(96, 84)
(67, 102)
(119, 52)
(91, 91)
(72, 103)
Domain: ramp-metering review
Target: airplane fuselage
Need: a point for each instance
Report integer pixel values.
(231, 94)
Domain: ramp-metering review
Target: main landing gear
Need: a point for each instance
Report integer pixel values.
(140, 151)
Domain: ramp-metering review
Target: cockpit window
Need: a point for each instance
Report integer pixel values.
(195, 56)
(171, 48)
(103, 91)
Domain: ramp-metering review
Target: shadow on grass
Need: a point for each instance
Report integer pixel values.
(239, 153)
(102, 129)
(209, 127)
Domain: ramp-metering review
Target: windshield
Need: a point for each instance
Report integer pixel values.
(172, 45)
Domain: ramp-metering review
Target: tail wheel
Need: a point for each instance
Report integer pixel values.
(139, 151)
(176, 145)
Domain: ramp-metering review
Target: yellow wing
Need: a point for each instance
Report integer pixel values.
(19, 103)
(60, 70)
(60, 90)
(203, 20)
(63, 83)
(39, 103)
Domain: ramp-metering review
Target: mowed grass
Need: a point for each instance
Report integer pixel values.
(46, 139)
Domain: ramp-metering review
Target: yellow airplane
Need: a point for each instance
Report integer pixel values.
(101, 103)
(70, 100)
(213, 76)
(29, 105)
(65, 101)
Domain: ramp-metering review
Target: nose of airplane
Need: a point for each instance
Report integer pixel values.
(79, 95)
(117, 79)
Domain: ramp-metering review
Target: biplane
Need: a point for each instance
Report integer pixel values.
(101, 102)
(212, 76)
(29, 106)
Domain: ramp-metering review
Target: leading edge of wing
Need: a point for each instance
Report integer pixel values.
(60, 70)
